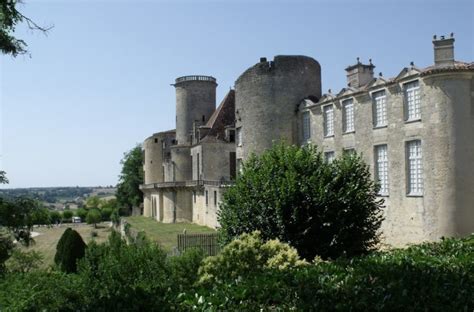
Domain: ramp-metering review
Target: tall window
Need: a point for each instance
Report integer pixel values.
(207, 198)
(328, 112)
(415, 168)
(380, 109)
(349, 152)
(238, 134)
(329, 157)
(306, 127)
(412, 100)
(348, 115)
(381, 168)
(215, 198)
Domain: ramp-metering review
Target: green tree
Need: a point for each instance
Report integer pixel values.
(54, 216)
(17, 216)
(81, 213)
(10, 17)
(93, 202)
(3, 178)
(41, 216)
(69, 250)
(128, 192)
(67, 215)
(93, 217)
(292, 194)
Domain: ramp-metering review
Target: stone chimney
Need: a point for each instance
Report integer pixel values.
(443, 50)
(359, 74)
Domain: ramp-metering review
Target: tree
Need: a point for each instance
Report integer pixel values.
(93, 202)
(128, 192)
(3, 178)
(69, 250)
(67, 215)
(292, 194)
(81, 213)
(93, 217)
(17, 216)
(10, 17)
(42, 216)
(54, 216)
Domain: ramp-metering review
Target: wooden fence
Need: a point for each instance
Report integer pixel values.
(207, 242)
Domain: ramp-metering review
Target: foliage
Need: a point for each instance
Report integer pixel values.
(10, 17)
(67, 215)
(248, 255)
(128, 192)
(69, 250)
(16, 215)
(428, 277)
(6, 249)
(81, 213)
(24, 261)
(131, 277)
(41, 216)
(106, 213)
(3, 177)
(93, 217)
(93, 202)
(54, 216)
(115, 217)
(292, 194)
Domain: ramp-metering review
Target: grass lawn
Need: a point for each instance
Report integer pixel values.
(46, 242)
(165, 233)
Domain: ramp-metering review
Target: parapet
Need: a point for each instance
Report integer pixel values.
(195, 78)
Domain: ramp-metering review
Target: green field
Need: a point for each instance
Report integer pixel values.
(165, 233)
(46, 241)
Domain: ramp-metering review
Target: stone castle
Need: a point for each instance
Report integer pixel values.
(416, 131)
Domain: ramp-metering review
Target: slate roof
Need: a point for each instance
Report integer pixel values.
(222, 117)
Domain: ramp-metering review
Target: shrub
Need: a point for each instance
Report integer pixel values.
(248, 255)
(106, 212)
(69, 250)
(24, 261)
(292, 194)
(6, 249)
(93, 217)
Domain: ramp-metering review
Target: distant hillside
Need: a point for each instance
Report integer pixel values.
(61, 197)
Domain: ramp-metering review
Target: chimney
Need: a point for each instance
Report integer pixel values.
(359, 74)
(443, 50)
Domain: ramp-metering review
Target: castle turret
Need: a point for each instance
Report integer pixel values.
(266, 99)
(195, 103)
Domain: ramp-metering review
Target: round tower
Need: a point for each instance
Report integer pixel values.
(155, 150)
(195, 102)
(266, 99)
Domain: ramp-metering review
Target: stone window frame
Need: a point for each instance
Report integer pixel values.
(207, 197)
(325, 125)
(215, 198)
(420, 165)
(406, 108)
(374, 107)
(384, 192)
(238, 136)
(345, 102)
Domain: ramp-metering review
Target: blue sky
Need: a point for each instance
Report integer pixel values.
(99, 83)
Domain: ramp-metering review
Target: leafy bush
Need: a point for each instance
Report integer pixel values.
(69, 250)
(428, 277)
(248, 255)
(6, 249)
(292, 194)
(106, 212)
(24, 261)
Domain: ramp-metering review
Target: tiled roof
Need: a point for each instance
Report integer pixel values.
(222, 117)
(457, 66)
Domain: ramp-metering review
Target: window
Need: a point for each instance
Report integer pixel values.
(415, 168)
(194, 196)
(328, 112)
(215, 198)
(381, 168)
(349, 152)
(306, 127)
(198, 167)
(380, 109)
(207, 198)
(329, 157)
(238, 134)
(348, 116)
(156, 140)
(412, 101)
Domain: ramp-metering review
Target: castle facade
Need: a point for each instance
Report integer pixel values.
(415, 130)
